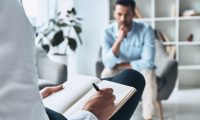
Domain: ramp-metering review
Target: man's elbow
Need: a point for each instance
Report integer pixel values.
(150, 65)
(108, 65)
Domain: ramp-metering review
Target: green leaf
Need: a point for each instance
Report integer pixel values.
(67, 16)
(77, 29)
(74, 11)
(46, 47)
(69, 11)
(58, 14)
(36, 34)
(72, 43)
(58, 38)
(80, 40)
(62, 24)
(61, 20)
(79, 18)
(40, 41)
(77, 23)
(46, 33)
(52, 20)
(71, 21)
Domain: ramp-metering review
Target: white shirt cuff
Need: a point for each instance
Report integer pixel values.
(82, 115)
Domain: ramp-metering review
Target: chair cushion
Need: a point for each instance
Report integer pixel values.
(160, 83)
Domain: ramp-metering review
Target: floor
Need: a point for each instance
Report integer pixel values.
(182, 105)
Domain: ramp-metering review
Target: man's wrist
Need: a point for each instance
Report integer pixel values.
(119, 39)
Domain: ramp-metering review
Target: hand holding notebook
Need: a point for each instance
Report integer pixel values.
(76, 94)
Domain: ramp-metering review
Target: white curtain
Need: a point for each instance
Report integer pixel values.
(40, 11)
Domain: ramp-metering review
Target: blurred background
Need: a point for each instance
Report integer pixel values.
(70, 32)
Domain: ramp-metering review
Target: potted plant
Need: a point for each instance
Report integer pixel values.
(60, 30)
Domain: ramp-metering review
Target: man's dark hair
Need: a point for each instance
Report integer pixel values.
(130, 3)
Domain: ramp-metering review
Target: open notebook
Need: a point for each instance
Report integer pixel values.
(78, 90)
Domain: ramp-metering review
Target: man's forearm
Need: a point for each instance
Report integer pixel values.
(123, 31)
(123, 66)
(116, 47)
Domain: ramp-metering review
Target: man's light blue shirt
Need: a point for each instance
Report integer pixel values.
(138, 47)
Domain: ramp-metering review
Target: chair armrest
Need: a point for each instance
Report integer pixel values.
(168, 76)
(55, 73)
(44, 83)
(166, 72)
(99, 67)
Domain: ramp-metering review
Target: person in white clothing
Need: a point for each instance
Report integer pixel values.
(19, 93)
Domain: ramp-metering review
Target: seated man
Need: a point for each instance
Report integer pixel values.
(130, 45)
(19, 94)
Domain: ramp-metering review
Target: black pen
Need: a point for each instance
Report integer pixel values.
(95, 87)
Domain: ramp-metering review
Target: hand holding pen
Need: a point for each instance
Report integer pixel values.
(95, 87)
(101, 104)
(108, 91)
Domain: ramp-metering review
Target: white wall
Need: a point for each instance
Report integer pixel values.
(95, 17)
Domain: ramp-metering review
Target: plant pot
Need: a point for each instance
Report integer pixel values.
(63, 59)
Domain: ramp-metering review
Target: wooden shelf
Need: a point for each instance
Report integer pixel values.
(169, 43)
(189, 67)
(189, 17)
(165, 19)
(143, 19)
(189, 43)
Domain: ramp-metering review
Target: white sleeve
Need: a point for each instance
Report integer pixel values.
(82, 115)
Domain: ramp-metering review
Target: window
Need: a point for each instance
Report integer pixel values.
(40, 11)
